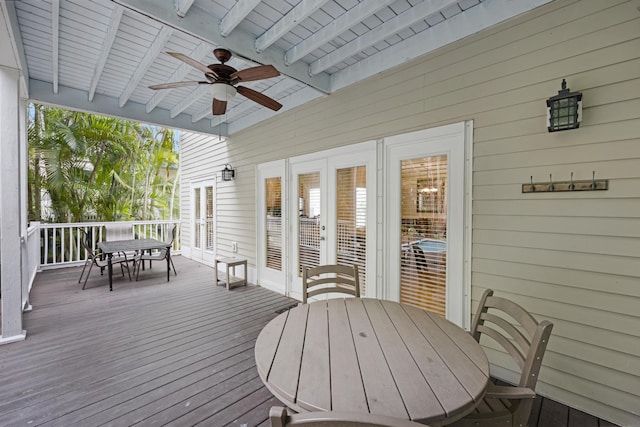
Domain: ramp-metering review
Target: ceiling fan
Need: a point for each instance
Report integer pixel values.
(224, 80)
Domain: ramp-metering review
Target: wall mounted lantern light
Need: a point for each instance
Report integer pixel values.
(228, 173)
(564, 111)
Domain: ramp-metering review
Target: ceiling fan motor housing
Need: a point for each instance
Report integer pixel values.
(223, 91)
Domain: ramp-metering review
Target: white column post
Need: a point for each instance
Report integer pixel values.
(10, 253)
(24, 213)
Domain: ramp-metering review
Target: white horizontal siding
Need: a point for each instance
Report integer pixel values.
(573, 258)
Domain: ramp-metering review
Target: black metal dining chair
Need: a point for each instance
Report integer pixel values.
(94, 258)
(160, 255)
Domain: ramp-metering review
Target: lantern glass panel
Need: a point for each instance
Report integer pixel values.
(564, 114)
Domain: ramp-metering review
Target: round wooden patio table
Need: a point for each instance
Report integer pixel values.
(373, 356)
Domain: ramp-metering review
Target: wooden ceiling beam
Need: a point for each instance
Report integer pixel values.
(289, 21)
(198, 54)
(379, 33)
(473, 20)
(114, 24)
(236, 15)
(188, 100)
(182, 7)
(153, 52)
(336, 27)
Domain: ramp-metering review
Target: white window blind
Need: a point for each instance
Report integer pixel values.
(423, 276)
(209, 222)
(197, 231)
(309, 221)
(273, 220)
(351, 202)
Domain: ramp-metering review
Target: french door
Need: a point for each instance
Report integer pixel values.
(425, 211)
(272, 230)
(331, 208)
(410, 239)
(203, 221)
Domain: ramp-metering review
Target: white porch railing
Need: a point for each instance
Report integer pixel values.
(31, 261)
(60, 245)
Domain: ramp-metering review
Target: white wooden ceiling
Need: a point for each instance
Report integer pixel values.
(101, 55)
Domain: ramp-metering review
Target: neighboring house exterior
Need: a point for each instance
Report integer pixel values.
(572, 258)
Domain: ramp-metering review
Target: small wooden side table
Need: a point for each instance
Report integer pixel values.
(232, 263)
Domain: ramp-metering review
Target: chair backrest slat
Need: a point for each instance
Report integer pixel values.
(345, 278)
(519, 314)
(519, 358)
(517, 335)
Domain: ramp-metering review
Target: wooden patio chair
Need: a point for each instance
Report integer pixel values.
(525, 340)
(93, 258)
(157, 256)
(280, 418)
(344, 278)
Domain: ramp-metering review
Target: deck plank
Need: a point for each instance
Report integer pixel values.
(151, 353)
(137, 354)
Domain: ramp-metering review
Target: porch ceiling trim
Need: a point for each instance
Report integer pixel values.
(76, 99)
(11, 19)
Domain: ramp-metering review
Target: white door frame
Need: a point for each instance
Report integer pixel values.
(296, 167)
(267, 277)
(456, 141)
(201, 254)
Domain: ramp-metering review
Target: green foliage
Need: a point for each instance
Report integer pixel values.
(89, 167)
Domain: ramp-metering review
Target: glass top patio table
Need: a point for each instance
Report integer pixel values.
(372, 356)
(115, 246)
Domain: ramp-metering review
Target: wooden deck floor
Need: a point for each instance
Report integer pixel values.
(151, 353)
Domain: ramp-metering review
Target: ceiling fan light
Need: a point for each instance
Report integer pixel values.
(223, 91)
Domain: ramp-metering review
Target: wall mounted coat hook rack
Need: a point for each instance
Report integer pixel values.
(592, 184)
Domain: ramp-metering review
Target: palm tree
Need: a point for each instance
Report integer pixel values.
(92, 166)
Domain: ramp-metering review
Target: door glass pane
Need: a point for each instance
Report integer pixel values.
(351, 202)
(423, 274)
(273, 211)
(308, 220)
(197, 229)
(209, 219)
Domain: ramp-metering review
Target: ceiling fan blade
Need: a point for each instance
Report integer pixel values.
(255, 73)
(259, 98)
(177, 84)
(195, 64)
(219, 107)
